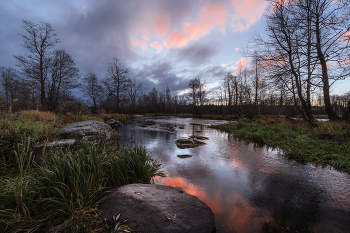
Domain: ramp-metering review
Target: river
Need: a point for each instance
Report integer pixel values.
(249, 188)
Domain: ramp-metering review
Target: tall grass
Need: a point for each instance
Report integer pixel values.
(67, 187)
(326, 144)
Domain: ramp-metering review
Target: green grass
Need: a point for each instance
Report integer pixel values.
(67, 187)
(326, 144)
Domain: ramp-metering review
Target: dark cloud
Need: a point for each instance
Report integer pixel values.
(159, 75)
(197, 53)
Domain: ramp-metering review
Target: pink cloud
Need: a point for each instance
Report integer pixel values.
(223, 65)
(157, 46)
(140, 43)
(161, 22)
(211, 15)
(248, 12)
(145, 37)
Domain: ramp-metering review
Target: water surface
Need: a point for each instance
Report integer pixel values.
(249, 188)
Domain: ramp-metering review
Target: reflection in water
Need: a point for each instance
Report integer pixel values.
(249, 188)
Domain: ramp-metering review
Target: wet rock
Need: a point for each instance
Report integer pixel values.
(114, 123)
(37, 151)
(188, 143)
(91, 130)
(158, 208)
(184, 156)
(149, 123)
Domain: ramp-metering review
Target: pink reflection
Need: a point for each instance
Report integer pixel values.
(239, 215)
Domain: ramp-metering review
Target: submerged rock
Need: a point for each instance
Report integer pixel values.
(193, 141)
(184, 156)
(158, 208)
(90, 130)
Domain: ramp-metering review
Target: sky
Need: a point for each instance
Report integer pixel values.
(162, 42)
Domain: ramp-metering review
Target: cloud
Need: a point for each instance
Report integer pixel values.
(236, 49)
(211, 14)
(247, 13)
(145, 37)
(159, 74)
(140, 43)
(223, 65)
(197, 53)
(157, 46)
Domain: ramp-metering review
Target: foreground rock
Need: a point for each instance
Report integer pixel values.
(90, 130)
(158, 208)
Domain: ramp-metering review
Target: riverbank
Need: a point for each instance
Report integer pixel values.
(327, 144)
(67, 187)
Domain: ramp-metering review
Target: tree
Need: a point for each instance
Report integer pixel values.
(116, 81)
(39, 41)
(92, 88)
(193, 87)
(330, 23)
(8, 82)
(285, 52)
(133, 91)
(62, 78)
(153, 99)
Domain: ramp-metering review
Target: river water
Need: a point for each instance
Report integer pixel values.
(249, 188)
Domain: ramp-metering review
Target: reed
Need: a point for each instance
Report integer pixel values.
(68, 186)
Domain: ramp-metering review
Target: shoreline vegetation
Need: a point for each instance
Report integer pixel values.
(65, 189)
(327, 143)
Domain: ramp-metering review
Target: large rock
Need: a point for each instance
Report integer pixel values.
(91, 130)
(158, 208)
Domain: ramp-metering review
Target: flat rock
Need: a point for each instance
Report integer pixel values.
(184, 156)
(91, 130)
(38, 150)
(158, 208)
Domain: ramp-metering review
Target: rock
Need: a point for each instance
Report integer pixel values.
(188, 143)
(149, 123)
(91, 130)
(38, 150)
(113, 122)
(158, 208)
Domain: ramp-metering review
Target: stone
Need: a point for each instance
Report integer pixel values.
(188, 143)
(38, 150)
(91, 130)
(114, 123)
(158, 208)
(184, 156)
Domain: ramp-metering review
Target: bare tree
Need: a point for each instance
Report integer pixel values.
(116, 81)
(134, 90)
(193, 87)
(62, 78)
(8, 82)
(92, 88)
(39, 41)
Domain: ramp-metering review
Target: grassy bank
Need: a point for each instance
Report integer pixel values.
(326, 144)
(67, 187)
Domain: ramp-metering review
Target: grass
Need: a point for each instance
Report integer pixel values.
(326, 144)
(66, 188)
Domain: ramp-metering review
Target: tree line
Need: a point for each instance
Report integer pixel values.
(290, 72)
